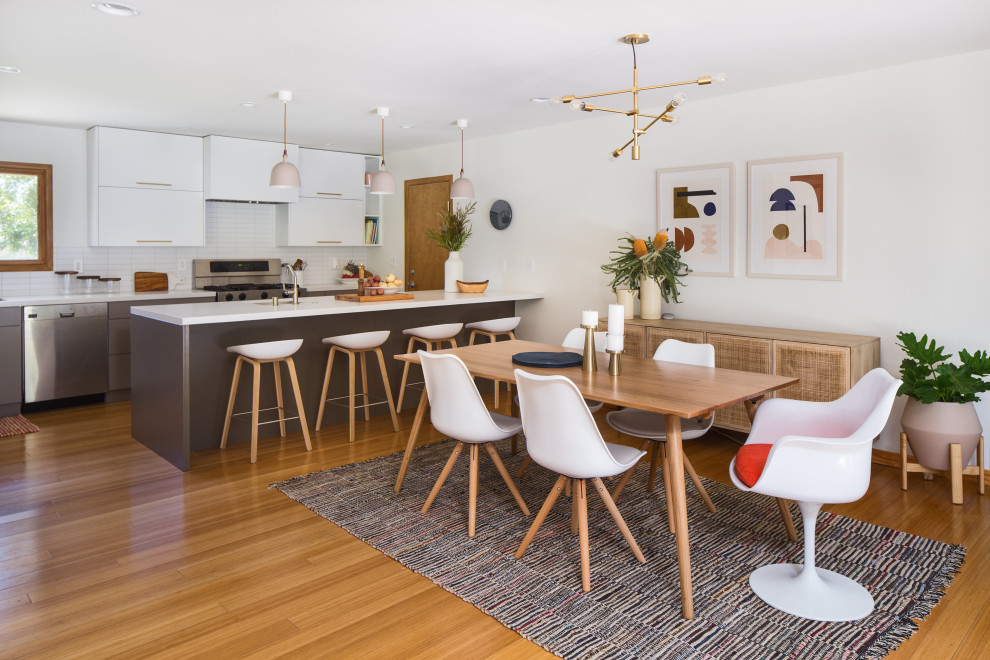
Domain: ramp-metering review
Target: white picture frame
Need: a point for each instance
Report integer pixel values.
(695, 208)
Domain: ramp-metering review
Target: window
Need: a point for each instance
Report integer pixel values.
(25, 216)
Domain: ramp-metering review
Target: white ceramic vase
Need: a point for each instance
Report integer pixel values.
(649, 298)
(453, 270)
(625, 297)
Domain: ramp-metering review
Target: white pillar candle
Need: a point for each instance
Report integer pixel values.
(589, 317)
(616, 320)
(613, 342)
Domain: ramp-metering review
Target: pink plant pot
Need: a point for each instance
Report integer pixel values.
(932, 427)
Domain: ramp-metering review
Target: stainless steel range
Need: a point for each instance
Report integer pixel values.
(242, 279)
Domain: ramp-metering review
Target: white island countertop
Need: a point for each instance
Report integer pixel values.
(257, 310)
(123, 296)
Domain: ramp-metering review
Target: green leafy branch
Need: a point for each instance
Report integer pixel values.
(929, 376)
(454, 229)
(661, 263)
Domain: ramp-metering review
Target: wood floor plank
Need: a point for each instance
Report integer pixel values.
(106, 550)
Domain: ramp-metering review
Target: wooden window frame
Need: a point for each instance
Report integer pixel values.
(45, 258)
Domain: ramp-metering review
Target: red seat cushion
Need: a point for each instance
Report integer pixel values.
(750, 462)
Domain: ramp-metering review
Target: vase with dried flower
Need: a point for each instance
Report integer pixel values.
(451, 235)
(654, 266)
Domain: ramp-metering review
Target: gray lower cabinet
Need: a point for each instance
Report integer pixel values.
(10, 361)
(119, 339)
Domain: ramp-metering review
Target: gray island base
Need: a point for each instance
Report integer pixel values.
(181, 371)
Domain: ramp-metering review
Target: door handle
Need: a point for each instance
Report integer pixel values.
(66, 315)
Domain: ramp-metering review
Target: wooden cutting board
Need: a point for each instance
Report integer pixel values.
(353, 297)
(151, 281)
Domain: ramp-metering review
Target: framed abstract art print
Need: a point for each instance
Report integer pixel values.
(795, 218)
(694, 207)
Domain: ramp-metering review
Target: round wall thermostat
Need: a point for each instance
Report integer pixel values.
(501, 214)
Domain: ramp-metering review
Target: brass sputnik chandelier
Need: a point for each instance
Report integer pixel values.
(666, 116)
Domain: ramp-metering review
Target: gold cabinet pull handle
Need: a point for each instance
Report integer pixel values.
(151, 241)
(333, 194)
(151, 183)
(329, 241)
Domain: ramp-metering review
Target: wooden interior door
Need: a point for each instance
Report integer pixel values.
(423, 258)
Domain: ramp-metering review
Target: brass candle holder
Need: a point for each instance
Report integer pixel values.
(614, 364)
(590, 362)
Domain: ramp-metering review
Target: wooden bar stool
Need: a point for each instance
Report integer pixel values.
(256, 355)
(428, 335)
(356, 345)
(491, 329)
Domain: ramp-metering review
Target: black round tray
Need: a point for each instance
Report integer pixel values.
(548, 359)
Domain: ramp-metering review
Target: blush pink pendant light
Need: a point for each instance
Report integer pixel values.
(383, 183)
(462, 188)
(284, 174)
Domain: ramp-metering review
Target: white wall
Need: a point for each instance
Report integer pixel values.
(916, 145)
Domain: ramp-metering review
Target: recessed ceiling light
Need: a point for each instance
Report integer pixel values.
(115, 8)
(406, 126)
(9, 69)
(248, 104)
(540, 99)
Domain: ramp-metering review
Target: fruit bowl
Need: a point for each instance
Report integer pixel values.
(472, 287)
(385, 290)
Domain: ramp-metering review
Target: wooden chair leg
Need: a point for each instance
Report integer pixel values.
(522, 468)
(628, 473)
(582, 507)
(405, 376)
(230, 402)
(388, 390)
(541, 516)
(617, 517)
(443, 476)
(326, 387)
(278, 397)
(495, 382)
(785, 516)
(473, 490)
(351, 394)
(255, 396)
(697, 484)
(364, 386)
(299, 403)
(500, 466)
(654, 461)
(904, 471)
(474, 333)
(572, 487)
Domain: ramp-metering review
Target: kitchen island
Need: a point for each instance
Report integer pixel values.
(181, 371)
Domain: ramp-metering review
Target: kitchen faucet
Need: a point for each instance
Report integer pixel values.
(295, 284)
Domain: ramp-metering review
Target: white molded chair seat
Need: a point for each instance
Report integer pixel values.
(652, 427)
(818, 453)
(355, 346)
(435, 332)
(360, 341)
(561, 435)
(457, 410)
(267, 350)
(497, 326)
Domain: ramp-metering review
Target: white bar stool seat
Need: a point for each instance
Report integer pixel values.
(491, 329)
(355, 345)
(428, 335)
(256, 355)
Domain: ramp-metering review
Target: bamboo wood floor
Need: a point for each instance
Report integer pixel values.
(108, 551)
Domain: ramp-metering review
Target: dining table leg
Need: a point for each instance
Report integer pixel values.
(424, 401)
(675, 457)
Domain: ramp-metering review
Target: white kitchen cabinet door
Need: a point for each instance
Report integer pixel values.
(239, 170)
(320, 222)
(141, 159)
(150, 218)
(331, 174)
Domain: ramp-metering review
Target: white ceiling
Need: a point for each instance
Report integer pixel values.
(183, 66)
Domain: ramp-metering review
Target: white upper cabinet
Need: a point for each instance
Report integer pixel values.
(141, 159)
(320, 222)
(331, 174)
(239, 170)
(145, 188)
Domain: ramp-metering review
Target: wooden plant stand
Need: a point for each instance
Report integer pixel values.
(956, 469)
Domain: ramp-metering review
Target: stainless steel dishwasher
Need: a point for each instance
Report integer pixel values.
(65, 351)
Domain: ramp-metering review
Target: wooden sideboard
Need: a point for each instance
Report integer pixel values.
(826, 363)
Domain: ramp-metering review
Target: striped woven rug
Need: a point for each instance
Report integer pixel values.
(16, 425)
(633, 609)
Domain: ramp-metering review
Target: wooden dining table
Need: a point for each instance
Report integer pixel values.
(678, 391)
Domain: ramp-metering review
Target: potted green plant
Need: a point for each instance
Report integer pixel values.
(653, 266)
(940, 409)
(451, 235)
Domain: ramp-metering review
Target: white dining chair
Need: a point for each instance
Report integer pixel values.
(457, 410)
(651, 426)
(561, 435)
(814, 453)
